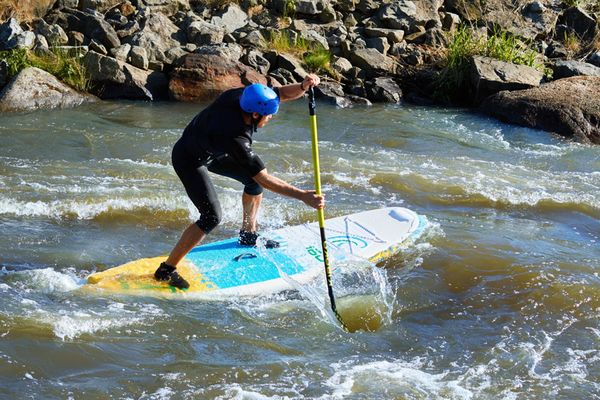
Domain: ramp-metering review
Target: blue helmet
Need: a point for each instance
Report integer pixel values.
(260, 99)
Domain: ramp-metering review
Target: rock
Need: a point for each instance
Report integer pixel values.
(97, 5)
(372, 61)
(97, 47)
(229, 51)
(253, 39)
(167, 7)
(202, 33)
(54, 34)
(392, 35)
(436, 37)
(205, 76)
(450, 22)
(138, 57)
(115, 79)
(332, 93)
(341, 65)
(33, 88)
(350, 21)
(175, 56)
(3, 73)
(404, 14)
(569, 107)
(314, 38)
(12, 36)
(255, 60)
(310, 7)
(580, 22)
(291, 64)
(157, 36)
(76, 38)
(283, 76)
(128, 29)
(489, 76)
(121, 53)
(232, 19)
(378, 43)
(536, 7)
(94, 27)
(383, 90)
(594, 59)
(368, 7)
(566, 69)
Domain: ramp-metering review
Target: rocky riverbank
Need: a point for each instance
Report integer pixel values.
(381, 51)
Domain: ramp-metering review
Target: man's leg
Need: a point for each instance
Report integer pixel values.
(189, 239)
(250, 205)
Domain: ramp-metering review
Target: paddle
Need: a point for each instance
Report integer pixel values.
(320, 212)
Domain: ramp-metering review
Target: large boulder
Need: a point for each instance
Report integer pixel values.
(580, 22)
(12, 36)
(384, 90)
(157, 36)
(33, 88)
(489, 76)
(569, 107)
(205, 76)
(54, 34)
(202, 33)
(167, 7)
(112, 78)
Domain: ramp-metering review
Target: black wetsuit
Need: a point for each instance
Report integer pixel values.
(216, 140)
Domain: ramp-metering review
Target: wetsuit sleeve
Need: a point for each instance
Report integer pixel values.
(242, 153)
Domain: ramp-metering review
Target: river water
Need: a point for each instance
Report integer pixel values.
(499, 299)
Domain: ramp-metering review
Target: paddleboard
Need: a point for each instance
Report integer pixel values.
(225, 268)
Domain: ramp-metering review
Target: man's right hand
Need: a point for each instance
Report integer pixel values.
(313, 200)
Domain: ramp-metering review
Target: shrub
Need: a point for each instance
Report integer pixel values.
(66, 66)
(501, 45)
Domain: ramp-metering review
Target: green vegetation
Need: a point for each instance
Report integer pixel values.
(66, 66)
(466, 43)
(572, 43)
(314, 56)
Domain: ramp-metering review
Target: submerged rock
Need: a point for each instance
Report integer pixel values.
(569, 107)
(34, 88)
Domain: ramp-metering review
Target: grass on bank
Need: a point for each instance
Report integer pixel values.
(65, 66)
(315, 57)
(466, 42)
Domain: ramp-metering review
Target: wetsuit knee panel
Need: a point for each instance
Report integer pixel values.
(209, 221)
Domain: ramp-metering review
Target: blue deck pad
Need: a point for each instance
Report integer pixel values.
(217, 263)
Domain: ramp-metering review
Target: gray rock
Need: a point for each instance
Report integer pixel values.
(378, 43)
(115, 79)
(98, 5)
(232, 19)
(202, 33)
(372, 61)
(167, 7)
(33, 88)
(594, 58)
(138, 57)
(283, 76)
(313, 37)
(368, 7)
(310, 7)
(230, 52)
(175, 56)
(569, 107)
(97, 47)
(392, 35)
(383, 90)
(41, 45)
(128, 29)
(489, 76)
(255, 60)
(350, 21)
(293, 65)
(333, 93)
(341, 65)
(93, 26)
(566, 69)
(579, 21)
(157, 36)
(3, 73)
(404, 14)
(328, 14)
(536, 7)
(253, 39)
(450, 22)
(54, 34)
(121, 53)
(76, 38)
(12, 36)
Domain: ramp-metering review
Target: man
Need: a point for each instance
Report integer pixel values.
(219, 140)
